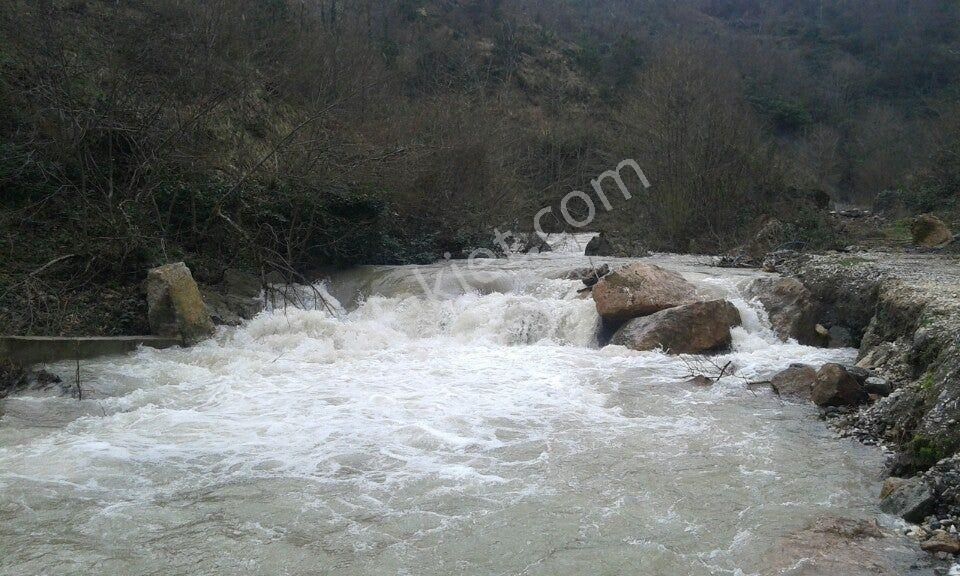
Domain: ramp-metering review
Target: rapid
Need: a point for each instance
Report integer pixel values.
(429, 420)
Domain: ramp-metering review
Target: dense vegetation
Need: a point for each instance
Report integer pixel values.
(287, 135)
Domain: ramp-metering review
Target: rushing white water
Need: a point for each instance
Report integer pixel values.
(479, 432)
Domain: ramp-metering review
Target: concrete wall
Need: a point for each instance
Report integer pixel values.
(41, 349)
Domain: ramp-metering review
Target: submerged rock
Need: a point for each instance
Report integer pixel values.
(835, 386)
(832, 545)
(791, 308)
(175, 306)
(688, 329)
(638, 290)
(700, 380)
(795, 382)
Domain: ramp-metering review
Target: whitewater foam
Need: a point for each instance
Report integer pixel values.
(482, 432)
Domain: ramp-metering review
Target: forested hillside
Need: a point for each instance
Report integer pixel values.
(287, 135)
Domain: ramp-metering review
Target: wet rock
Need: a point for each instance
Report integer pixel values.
(236, 298)
(835, 386)
(535, 244)
(700, 380)
(792, 310)
(45, 379)
(594, 276)
(175, 306)
(638, 290)
(12, 377)
(600, 245)
(929, 231)
(795, 382)
(941, 541)
(839, 337)
(911, 500)
(688, 329)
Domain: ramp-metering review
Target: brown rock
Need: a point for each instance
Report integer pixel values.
(929, 231)
(836, 546)
(941, 541)
(689, 329)
(796, 381)
(700, 380)
(792, 309)
(837, 387)
(175, 307)
(638, 290)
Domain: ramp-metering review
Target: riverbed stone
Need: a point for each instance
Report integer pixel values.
(911, 500)
(941, 541)
(835, 546)
(791, 308)
(639, 290)
(175, 306)
(688, 329)
(835, 386)
(795, 382)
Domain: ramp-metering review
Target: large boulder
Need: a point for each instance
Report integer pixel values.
(911, 500)
(929, 231)
(638, 290)
(791, 308)
(795, 382)
(688, 329)
(175, 306)
(835, 386)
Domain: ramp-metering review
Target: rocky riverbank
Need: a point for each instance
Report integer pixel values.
(903, 311)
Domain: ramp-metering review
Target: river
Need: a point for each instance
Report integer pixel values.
(468, 432)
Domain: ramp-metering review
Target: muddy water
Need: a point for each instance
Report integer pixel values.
(468, 432)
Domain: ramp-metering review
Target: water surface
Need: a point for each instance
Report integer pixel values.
(469, 432)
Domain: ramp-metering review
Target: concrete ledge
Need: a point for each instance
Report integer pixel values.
(40, 349)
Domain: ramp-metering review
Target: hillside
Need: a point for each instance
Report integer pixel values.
(284, 136)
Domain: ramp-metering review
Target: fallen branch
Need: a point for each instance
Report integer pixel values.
(56, 260)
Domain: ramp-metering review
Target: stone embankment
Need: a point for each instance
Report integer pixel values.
(903, 310)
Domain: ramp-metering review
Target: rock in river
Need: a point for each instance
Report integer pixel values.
(688, 329)
(795, 382)
(638, 290)
(175, 307)
(835, 386)
(911, 499)
(792, 309)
